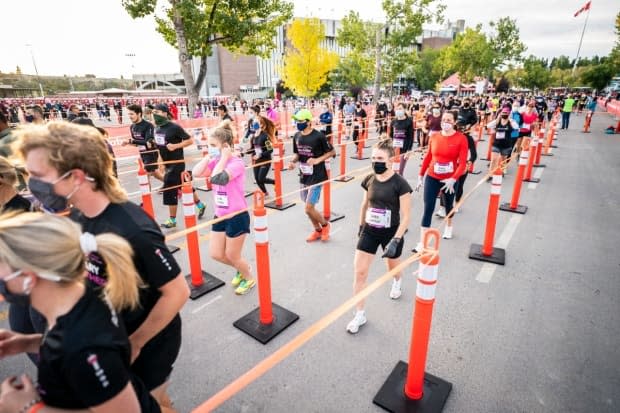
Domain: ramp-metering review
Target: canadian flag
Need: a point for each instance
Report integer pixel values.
(584, 8)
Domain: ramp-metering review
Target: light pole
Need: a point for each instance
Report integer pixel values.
(131, 56)
(34, 63)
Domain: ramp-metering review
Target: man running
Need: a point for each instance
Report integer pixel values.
(143, 136)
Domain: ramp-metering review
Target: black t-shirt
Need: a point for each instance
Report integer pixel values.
(503, 135)
(467, 118)
(261, 146)
(17, 203)
(401, 130)
(313, 145)
(170, 133)
(143, 135)
(154, 262)
(84, 359)
(384, 199)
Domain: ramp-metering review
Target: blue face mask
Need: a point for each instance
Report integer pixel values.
(301, 126)
(214, 152)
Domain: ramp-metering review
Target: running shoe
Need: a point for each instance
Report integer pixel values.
(396, 291)
(201, 210)
(441, 212)
(169, 223)
(418, 248)
(314, 236)
(325, 232)
(359, 320)
(245, 286)
(447, 232)
(237, 279)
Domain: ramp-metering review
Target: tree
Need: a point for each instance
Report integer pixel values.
(470, 55)
(306, 64)
(614, 56)
(503, 85)
(18, 70)
(562, 62)
(353, 72)
(598, 76)
(426, 72)
(506, 42)
(195, 26)
(535, 74)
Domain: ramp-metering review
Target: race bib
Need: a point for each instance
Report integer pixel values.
(258, 151)
(500, 135)
(160, 139)
(306, 169)
(221, 199)
(444, 168)
(399, 143)
(141, 148)
(323, 128)
(379, 218)
(527, 126)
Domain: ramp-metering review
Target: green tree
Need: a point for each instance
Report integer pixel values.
(195, 26)
(307, 64)
(470, 55)
(614, 56)
(506, 42)
(426, 70)
(18, 70)
(597, 76)
(353, 72)
(535, 74)
(562, 62)
(503, 85)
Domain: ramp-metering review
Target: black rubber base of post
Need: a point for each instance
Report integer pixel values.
(344, 178)
(476, 172)
(251, 325)
(532, 180)
(520, 209)
(553, 146)
(540, 165)
(497, 257)
(484, 159)
(334, 216)
(360, 159)
(172, 248)
(202, 188)
(392, 398)
(209, 283)
(285, 205)
(247, 194)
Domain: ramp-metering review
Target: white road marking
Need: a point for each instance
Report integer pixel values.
(486, 272)
(537, 174)
(211, 301)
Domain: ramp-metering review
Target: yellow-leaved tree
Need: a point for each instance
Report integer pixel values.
(306, 63)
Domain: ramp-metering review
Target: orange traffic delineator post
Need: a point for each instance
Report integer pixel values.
(343, 164)
(487, 252)
(587, 121)
(539, 149)
(490, 147)
(549, 138)
(396, 158)
(200, 282)
(530, 162)
(277, 174)
(513, 205)
(328, 214)
(203, 145)
(409, 388)
(269, 319)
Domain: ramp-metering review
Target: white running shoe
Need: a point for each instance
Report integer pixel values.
(396, 291)
(418, 247)
(359, 320)
(447, 232)
(441, 212)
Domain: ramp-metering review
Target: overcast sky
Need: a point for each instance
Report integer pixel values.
(76, 37)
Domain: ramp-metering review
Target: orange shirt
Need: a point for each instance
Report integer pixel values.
(447, 156)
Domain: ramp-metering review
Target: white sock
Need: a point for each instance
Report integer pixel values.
(360, 313)
(398, 282)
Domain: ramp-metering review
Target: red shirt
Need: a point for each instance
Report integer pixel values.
(447, 156)
(528, 119)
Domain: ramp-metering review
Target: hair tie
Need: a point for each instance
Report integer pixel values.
(88, 243)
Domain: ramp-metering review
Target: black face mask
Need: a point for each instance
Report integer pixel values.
(13, 298)
(379, 167)
(44, 193)
(465, 105)
(504, 116)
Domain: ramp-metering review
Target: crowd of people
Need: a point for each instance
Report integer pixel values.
(95, 296)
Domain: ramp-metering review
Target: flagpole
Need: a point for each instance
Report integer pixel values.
(581, 39)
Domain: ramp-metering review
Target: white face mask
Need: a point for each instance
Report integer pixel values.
(446, 127)
(400, 113)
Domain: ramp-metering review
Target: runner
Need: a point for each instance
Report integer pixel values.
(253, 126)
(359, 121)
(70, 163)
(143, 136)
(227, 174)
(171, 139)
(401, 132)
(504, 127)
(261, 150)
(387, 196)
(443, 165)
(311, 149)
(10, 200)
(528, 118)
(85, 354)
(325, 122)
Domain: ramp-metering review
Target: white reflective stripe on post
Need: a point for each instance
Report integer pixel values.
(496, 189)
(396, 166)
(328, 164)
(261, 237)
(428, 273)
(187, 198)
(260, 222)
(523, 159)
(188, 210)
(426, 291)
(497, 180)
(276, 151)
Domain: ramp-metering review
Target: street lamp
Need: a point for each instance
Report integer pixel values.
(34, 63)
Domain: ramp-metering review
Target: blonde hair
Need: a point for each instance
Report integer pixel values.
(8, 172)
(71, 146)
(223, 134)
(385, 144)
(227, 123)
(50, 244)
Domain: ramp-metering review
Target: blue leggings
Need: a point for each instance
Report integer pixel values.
(432, 187)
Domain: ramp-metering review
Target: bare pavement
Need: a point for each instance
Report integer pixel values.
(539, 334)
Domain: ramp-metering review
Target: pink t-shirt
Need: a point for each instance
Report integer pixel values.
(230, 197)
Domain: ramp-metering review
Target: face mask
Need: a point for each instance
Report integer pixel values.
(379, 167)
(214, 152)
(301, 126)
(44, 193)
(29, 118)
(446, 127)
(515, 109)
(160, 120)
(400, 113)
(465, 105)
(358, 106)
(251, 116)
(22, 299)
(504, 116)
(436, 112)
(325, 110)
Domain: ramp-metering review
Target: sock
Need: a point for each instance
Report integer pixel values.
(318, 229)
(199, 204)
(324, 225)
(173, 219)
(398, 282)
(360, 312)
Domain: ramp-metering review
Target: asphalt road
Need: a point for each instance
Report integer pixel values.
(540, 334)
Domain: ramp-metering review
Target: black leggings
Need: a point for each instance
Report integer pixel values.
(260, 176)
(432, 188)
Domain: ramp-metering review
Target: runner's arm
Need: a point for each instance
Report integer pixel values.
(405, 211)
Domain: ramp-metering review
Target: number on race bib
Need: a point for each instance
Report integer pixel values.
(160, 139)
(399, 143)
(306, 169)
(500, 135)
(379, 218)
(221, 199)
(444, 168)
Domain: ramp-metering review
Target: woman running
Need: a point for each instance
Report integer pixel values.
(443, 165)
(85, 354)
(401, 132)
(384, 217)
(503, 143)
(261, 150)
(227, 174)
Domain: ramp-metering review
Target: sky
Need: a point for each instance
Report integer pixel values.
(78, 37)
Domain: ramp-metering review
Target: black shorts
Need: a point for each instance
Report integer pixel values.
(233, 226)
(150, 161)
(370, 240)
(524, 134)
(172, 178)
(154, 364)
